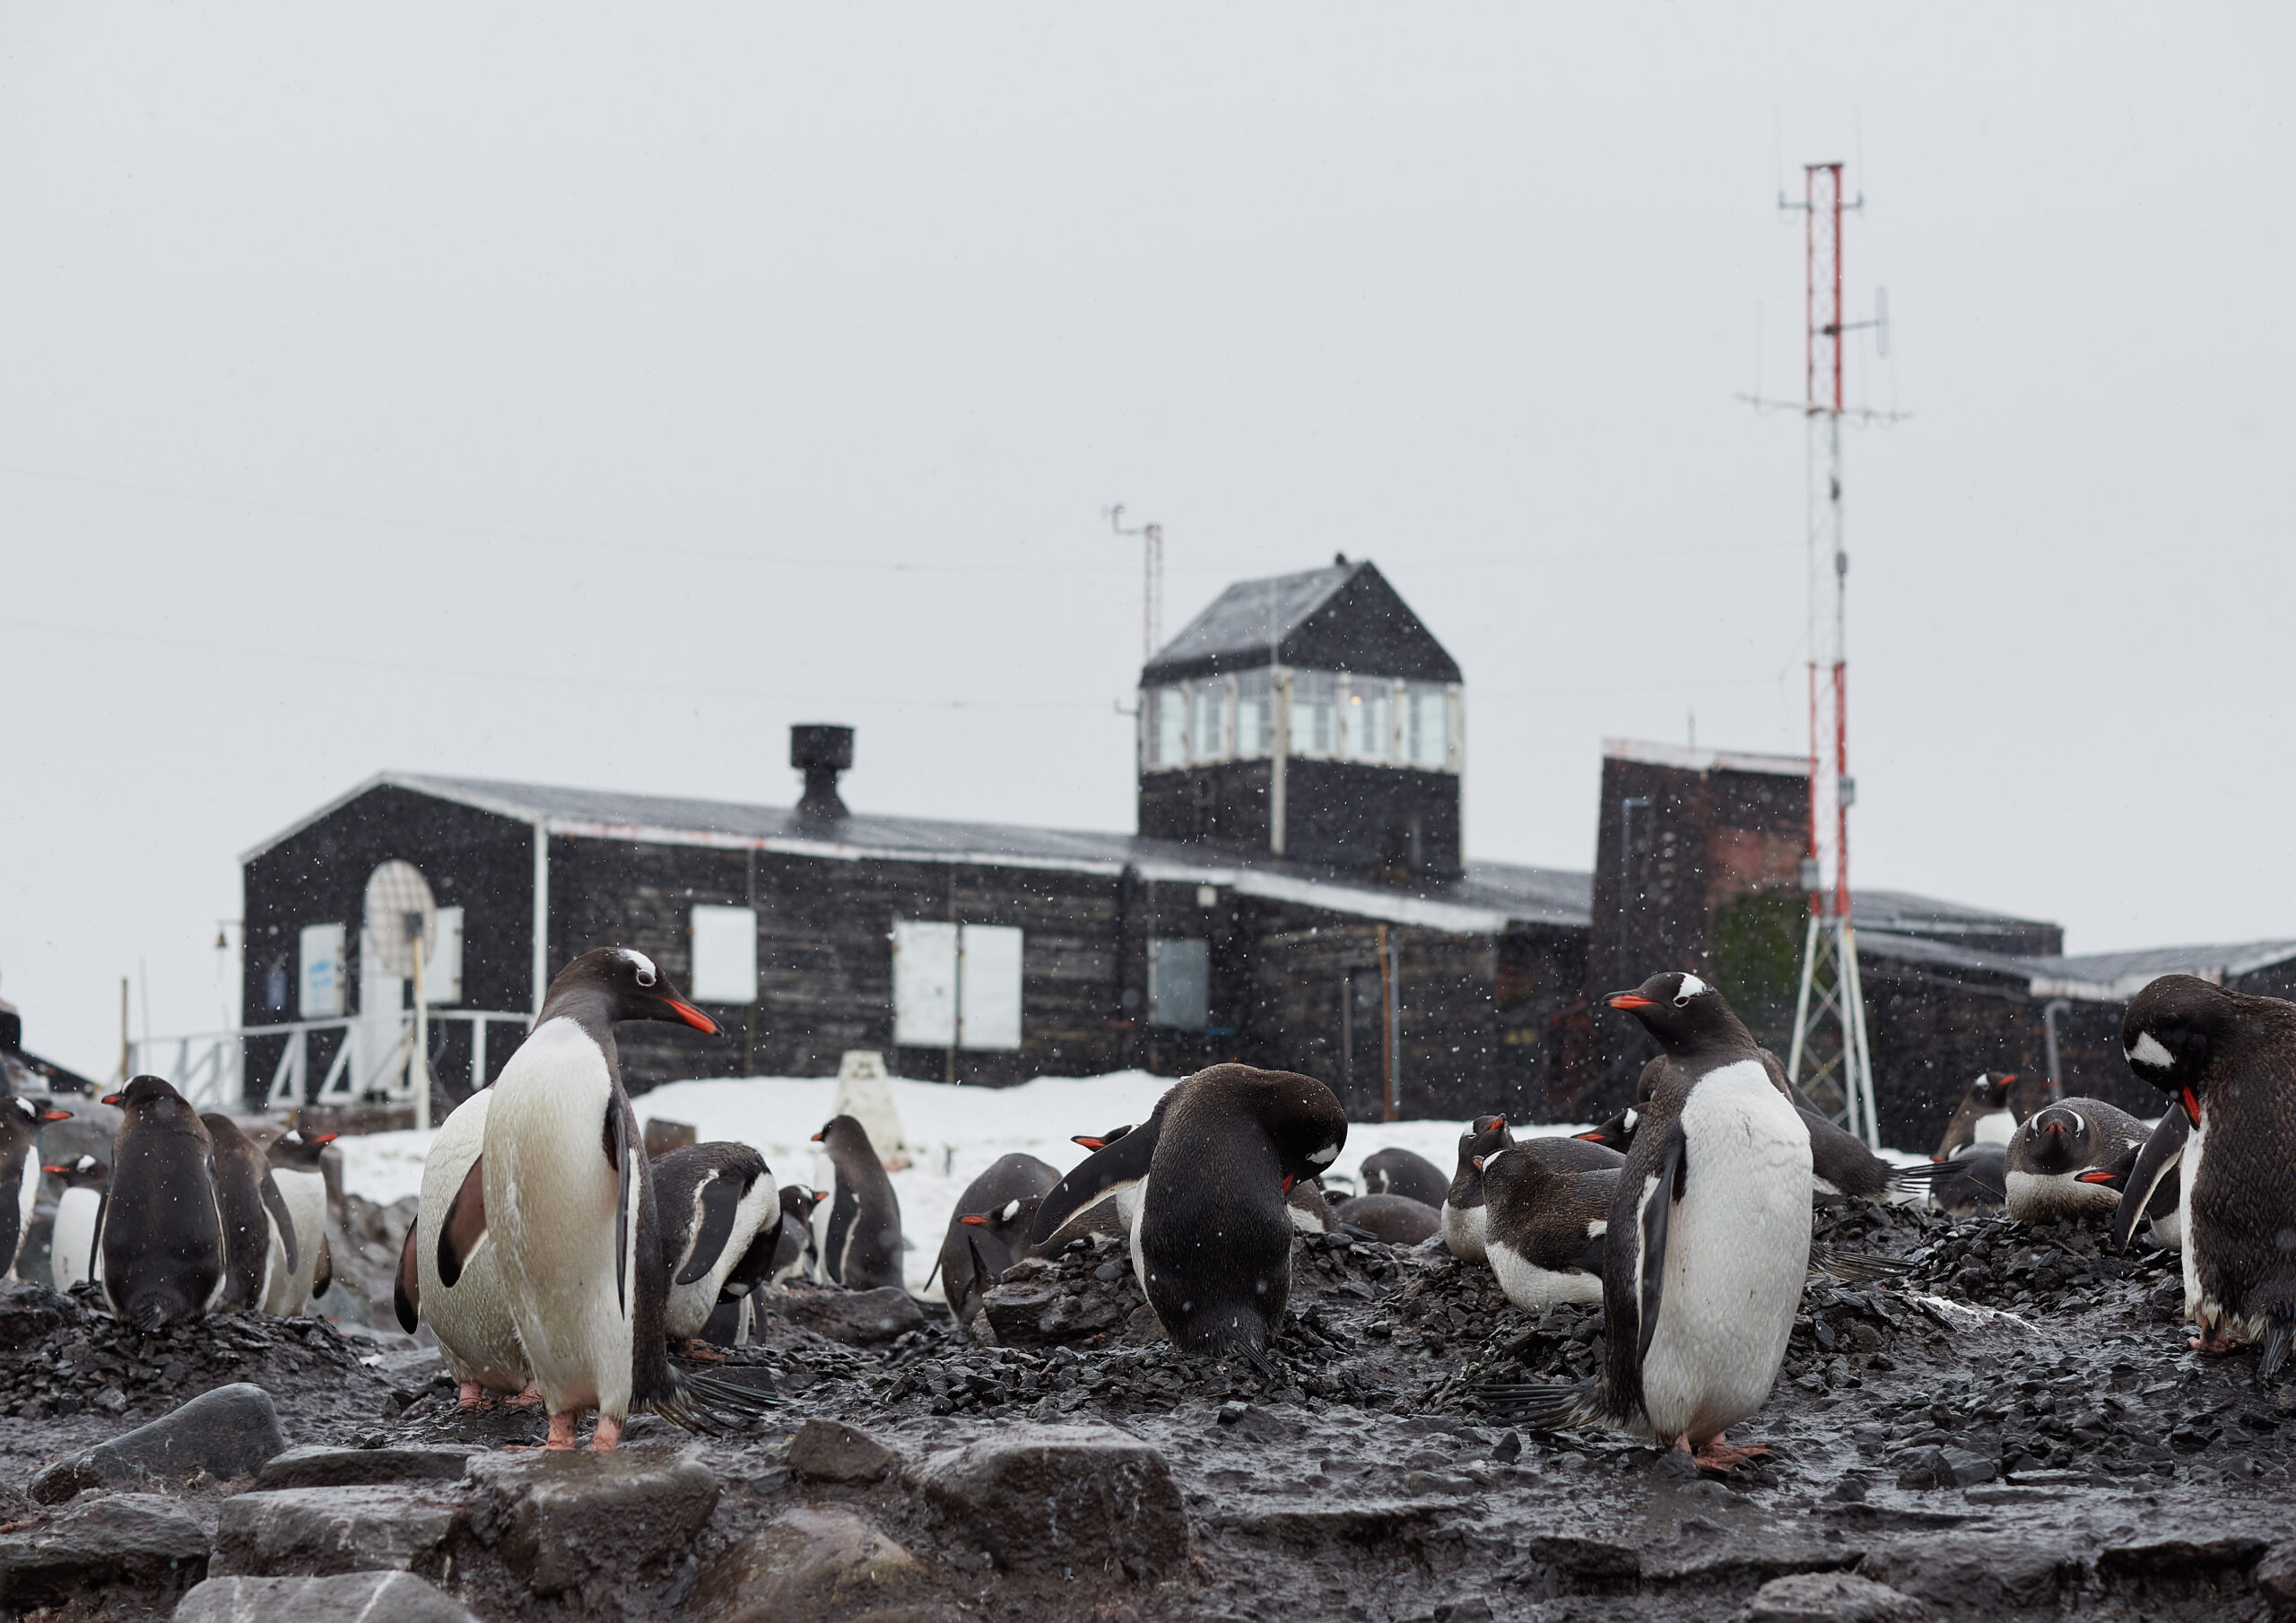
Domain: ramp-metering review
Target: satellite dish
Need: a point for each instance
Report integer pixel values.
(401, 916)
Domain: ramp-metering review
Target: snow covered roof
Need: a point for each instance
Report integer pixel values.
(2096, 978)
(1345, 617)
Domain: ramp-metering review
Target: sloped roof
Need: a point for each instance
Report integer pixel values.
(1345, 617)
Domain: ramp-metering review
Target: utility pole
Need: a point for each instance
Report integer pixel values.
(1151, 585)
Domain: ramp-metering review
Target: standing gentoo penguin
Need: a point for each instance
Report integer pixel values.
(1464, 1217)
(1546, 1221)
(989, 1229)
(256, 1220)
(1213, 1243)
(2152, 1190)
(21, 1121)
(714, 1199)
(161, 1245)
(857, 1229)
(476, 1338)
(1704, 1260)
(1403, 1172)
(2055, 1150)
(564, 1191)
(2228, 1060)
(79, 1212)
(1983, 1116)
(294, 1157)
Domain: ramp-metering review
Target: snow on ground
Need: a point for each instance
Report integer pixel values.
(953, 1135)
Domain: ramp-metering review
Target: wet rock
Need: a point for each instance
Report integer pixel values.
(558, 1517)
(1830, 1597)
(316, 1532)
(828, 1451)
(805, 1564)
(317, 1466)
(229, 1432)
(1083, 1498)
(1980, 1573)
(1044, 1300)
(140, 1541)
(859, 1318)
(2275, 1577)
(30, 1312)
(399, 1597)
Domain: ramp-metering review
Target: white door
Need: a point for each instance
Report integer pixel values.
(925, 984)
(724, 955)
(443, 965)
(319, 995)
(988, 981)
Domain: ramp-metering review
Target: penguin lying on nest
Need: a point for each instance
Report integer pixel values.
(2227, 1061)
(564, 1193)
(2067, 1161)
(1706, 1249)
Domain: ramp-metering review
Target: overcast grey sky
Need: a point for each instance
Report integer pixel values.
(584, 396)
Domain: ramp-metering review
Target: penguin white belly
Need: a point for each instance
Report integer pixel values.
(1533, 1288)
(71, 1253)
(1994, 1127)
(2034, 1197)
(472, 1321)
(2169, 1230)
(1737, 1254)
(1466, 1230)
(288, 1291)
(549, 1217)
(27, 1195)
(2196, 1312)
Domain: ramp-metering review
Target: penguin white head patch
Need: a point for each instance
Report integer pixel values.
(646, 974)
(1012, 1209)
(1629, 1118)
(2149, 1050)
(1323, 1158)
(1690, 988)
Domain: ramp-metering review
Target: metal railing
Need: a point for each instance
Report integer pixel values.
(209, 1068)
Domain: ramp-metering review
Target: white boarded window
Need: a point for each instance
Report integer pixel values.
(1254, 713)
(724, 955)
(1210, 731)
(321, 994)
(1370, 724)
(1167, 727)
(443, 965)
(1427, 725)
(1179, 982)
(988, 987)
(925, 984)
(1315, 713)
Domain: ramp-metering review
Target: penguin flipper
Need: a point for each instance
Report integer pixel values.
(616, 1139)
(322, 1274)
(2160, 1159)
(275, 1203)
(406, 1290)
(465, 1225)
(721, 1200)
(1122, 1160)
(1650, 1263)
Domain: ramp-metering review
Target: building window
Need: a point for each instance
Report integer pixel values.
(1179, 982)
(1427, 725)
(724, 955)
(1163, 718)
(1254, 713)
(274, 987)
(1370, 720)
(1208, 736)
(956, 984)
(1315, 713)
(319, 995)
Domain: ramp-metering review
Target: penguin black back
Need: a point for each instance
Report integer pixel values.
(1213, 1243)
(163, 1237)
(860, 1238)
(1403, 1172)
(249, 1204)
(989, 1229)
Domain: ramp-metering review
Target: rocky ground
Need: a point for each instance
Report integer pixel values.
(2014, 1429)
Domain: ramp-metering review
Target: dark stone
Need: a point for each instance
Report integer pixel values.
(139, 1540)
(559, 1517)
(2275, 1577)
(399, 1597)
(229, 1432)
(29, 1313)
(317, 1466)
(1830, 1597)
(1925, 1468)
(828, 1451)
(1592, 1563)
(1983, 1573)
(1674, 1466)
(1964, 1468)
(2161, 1557)
(316, 1532)
(1079, 1498)
(859, 1318)
(804, 1564)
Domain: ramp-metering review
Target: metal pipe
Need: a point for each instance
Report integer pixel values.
(2049, 1035)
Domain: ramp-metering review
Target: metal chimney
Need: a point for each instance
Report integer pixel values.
(821, 753)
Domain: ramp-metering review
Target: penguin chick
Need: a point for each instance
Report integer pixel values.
(1393, 1219)
(2053, 1153)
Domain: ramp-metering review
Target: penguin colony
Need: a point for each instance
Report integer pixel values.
(559, 1266)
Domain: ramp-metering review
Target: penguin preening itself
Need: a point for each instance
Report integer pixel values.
(79, 1211)
(2150, 1191)
(2227, 1060)
(714, 1200)
(294, 1157)
(1212, 1246)
(1463, 1216)
(2064, 1161)
(857, 1231)
(1403, 1172)
(21, 1121)
(1704, 1259)
(159, 1248)
(989, 1231)
(563, 1193)
(256, 1220)
(476, 1338)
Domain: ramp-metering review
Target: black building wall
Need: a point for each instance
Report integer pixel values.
(1342, 813)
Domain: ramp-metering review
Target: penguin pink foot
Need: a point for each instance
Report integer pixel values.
(605, 1439)
(1718, 1456)
(471, 1396)
(562, 1432)
(2215, 1340)
(530, 1398)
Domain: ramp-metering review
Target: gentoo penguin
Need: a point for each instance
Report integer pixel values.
(1983, 1115)
(1971, 1180)
(1114, 1172)
(256, 1220)
(21, 1121)
(159, 1247)
(71, 1253)
(2229, 1061)
(857, 1231)
(2150, 1191)
(2057, 1147)
(564, 1192)
(1393, 1219)
(780, 1252)
(1403, 1172)
(989, 1229)
(476, 1337)
(294, 1159)
(1464, 1217)
(714, 1199)
(1213, 1243)
(1545, 1222)
(1704, 1261)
